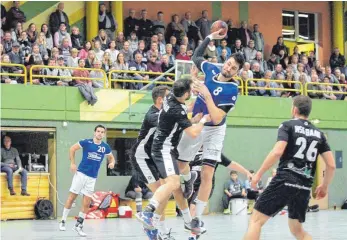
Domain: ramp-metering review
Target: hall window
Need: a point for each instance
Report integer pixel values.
(299, 25)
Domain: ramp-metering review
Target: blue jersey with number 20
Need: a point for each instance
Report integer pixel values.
(92, 157)
(223, 93)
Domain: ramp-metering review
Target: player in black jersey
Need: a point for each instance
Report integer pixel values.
(298, 145)
(173, 120)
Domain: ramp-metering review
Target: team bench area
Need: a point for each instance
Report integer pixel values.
(22, 207)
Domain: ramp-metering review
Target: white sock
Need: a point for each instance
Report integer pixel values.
(154, 202)
(156, 219)
(82, 215)
(65, 214)
(199, 208)
(186, 215)
(162, 227)
(187, 177)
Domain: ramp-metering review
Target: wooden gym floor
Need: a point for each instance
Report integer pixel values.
(323, 225)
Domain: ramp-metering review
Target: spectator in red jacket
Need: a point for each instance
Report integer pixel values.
(182, 55)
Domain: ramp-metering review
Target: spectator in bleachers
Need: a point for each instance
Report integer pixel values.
(81, 73)
(223, 45)
(120, 64)
(63, 72)
(41, 42)
(311, 59)
(211, 50)
(165, 66)
(120, 41)
(272, 62)
(3, 15)
(106, 62)
(258, 39)
(336, 80)
(315, 87)
(133, 41)
(307, 68)
(72, 60)
(204, 24)
(103, 39)
(223, 57)
(153, 65)
(50, 72)
(55, 53)
(15, 55)
(145, 27)
(107, 22)
(328, 90)
(7, 42)
(289, 76)
(99, 53)
(159, 25)
(11, 163)
(250, 52)
(141, 50)
(296, 53)
(153, 51)
(61, 34)
(130, 23)
(244, 78)
(14, 15)
(303, 80)
(138, 65)
(25, 45)
(266, 84)
(161, 44)
(257, 73)
(112, 51)
(83, 53)
(89, 62)
(49, 37)
(283, 59)
(1, 49)
(176, 29)
(192, 31)
(233, 188)
(245, 35)
(7, 69)
(185, 41)
(65, 49)
(34, 58)
(32, 33)
(170, 54)
(16, 32)
(337, 60)
(182, 55)
(328, 72)
(174, 45)
(262, 63)
(279, 46)
(246, 67)
(97, 74)
(128, 55)
(233, 33)
(294, 60)
(238, 47)
(57, 18)
(76, 38)
(278, 70)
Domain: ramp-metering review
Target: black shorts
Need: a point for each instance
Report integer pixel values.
(145, 166)
(281, 193)
(166, 162)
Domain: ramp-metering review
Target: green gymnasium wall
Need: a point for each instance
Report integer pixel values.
(251, 132)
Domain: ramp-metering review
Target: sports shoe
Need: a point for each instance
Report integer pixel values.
(227, 211)
(189, 185)
(146, 219)
(62, 226)
(152, 234)
(79, 229)
(187, 227)
(196, 226)
(165, 236)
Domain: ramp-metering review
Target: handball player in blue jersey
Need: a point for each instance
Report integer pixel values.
(217, 96)
(83, 182)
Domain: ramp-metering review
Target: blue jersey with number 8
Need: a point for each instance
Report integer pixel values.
(224, 94)
(92, 157)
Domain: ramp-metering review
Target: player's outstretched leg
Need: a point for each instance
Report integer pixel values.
(81, 216)
(189, 178)
(255, 224)
(297, 230)
(67, 208)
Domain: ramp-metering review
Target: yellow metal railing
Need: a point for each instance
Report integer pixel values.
(138, 81)
(240, 81)
(24, 74)
(301, 90)
(324, 91)
(104, 78)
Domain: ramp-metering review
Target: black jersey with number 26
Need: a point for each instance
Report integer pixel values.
(304, 143)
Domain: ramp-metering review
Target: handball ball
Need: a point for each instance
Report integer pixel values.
(219, 25)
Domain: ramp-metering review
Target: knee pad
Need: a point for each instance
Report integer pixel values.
(209, 162)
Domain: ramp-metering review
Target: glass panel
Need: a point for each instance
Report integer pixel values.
(307, 26)
(288, 24)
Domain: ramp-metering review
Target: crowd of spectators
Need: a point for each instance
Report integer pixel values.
(153, 45)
